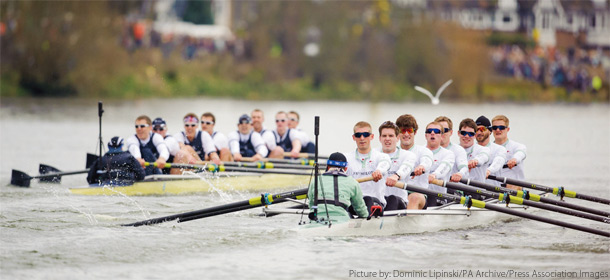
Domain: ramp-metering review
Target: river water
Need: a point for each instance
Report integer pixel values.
(48, 233)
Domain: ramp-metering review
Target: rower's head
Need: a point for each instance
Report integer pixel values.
(191, 122)
(244, 124)
(483, 130)
(143, 127)
(336, 160)
(281, 122)
(115, 145)
(407, 126)
(207, 122)
(363, 134)
(159, 126)
(467, 132)
(499, 128)
(388, 136)
(447, 129)
(258, 118)
(434, 133)
(293, 119)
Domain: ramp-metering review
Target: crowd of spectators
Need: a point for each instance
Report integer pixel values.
(573, 69)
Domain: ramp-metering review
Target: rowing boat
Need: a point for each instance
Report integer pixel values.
(450, 217)
(189, 183)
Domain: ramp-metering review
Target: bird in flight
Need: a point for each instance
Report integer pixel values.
(434, 99)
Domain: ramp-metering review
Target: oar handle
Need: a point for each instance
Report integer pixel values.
(364, 179)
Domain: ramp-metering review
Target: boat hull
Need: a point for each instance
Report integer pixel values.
(410, 222)
(196, 183)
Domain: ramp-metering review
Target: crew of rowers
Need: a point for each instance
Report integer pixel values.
(415, 165)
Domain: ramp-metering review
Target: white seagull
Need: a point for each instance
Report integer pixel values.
(434, 99)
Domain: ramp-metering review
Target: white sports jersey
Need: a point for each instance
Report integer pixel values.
(402, 163)
(172, 145)
(133, 145)
(461, 160)
(255, 138)
(498, 159)
(424, 158)
(481, 154)
(517, 151)
(441, 167)
(220, 140)
(206, 141)
(359, 165)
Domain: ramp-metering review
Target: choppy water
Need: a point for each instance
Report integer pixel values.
(48, 233)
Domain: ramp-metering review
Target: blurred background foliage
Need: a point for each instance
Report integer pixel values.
(368, 50)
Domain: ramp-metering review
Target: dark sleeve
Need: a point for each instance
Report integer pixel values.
(138, 171)
(92, 175)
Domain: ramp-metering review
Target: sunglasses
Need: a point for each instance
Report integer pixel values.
(500, 127)
(280, 120)
(464, 133)
(446, 129)
(431, 130)
(190, 124)
(410, 130)
(158, 128)
(360, 134)
(207, 122)
(481, 128)
(293, 119)
(141, 126)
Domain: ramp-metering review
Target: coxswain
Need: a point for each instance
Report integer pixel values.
(116, 167)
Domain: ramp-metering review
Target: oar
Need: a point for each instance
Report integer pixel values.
(46, 169)
(310, 162)
(535, 197)
(261, 165)
(499, 208)
(304, 155)
(264, 199)
(91, 158)
(505, 197)
(221, 168)
(21, 179)
(561, 192)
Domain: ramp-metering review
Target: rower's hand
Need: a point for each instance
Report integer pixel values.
(377, 175)
(294, 153)
(456, 177)
(257, 157)
(418, 171)
(215, 159)
(511, 163)
(472, 164)
(142, 162)
(160, 163)
(391, 180)
(431, 178)
(237, 157)
(487, 172)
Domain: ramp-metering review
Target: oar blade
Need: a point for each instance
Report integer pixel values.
(20, 179)
(46, 169)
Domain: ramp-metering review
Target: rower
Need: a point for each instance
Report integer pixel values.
(245, 142)
(336, 193)
(201, 145)
(208, 122)
(293, 123)
(258, 118)
(478, 156)
(286, 138)
(364, 162)
(408, 129)
(147, 146)
(515, 151)
(460, 165)
(443, 160)
(402, 163)
(497, 152)
(116, 167)
(176, 154)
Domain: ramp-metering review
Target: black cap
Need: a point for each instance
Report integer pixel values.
(337, 159)
(158, 121)
(244, 119)
(482, 120)
(115, 144)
